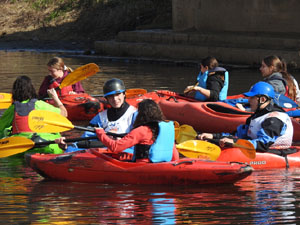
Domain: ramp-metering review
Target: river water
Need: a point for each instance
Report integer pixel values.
(266, 197)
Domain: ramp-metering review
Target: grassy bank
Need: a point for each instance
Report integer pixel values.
(84, 20)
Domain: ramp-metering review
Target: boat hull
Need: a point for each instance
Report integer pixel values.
(92, 166)
(81, 106)
(211, 117)
(262, 161)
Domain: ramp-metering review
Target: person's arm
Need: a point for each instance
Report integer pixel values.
(139, 135)
(77, 87)
(52, 93)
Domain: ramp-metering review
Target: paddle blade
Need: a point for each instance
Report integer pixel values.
(14, 145)
(5, 100)
(199, 149)
(185, 133)
(176, 127)
(79, 74)
(246, 147)
(43, 121)
(134, 92)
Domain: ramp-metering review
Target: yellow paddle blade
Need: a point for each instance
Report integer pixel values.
(185, 133)
(199, 149)
(79, 74)
(5, 100)
(134, 92)
(14, 145)
(246, 147)
(43, 121)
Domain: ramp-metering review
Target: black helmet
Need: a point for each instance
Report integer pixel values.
(113, 86)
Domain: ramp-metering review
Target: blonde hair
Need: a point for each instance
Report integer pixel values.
(58, 63)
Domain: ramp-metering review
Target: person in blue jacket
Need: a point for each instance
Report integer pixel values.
(269, 127)
(212, 82)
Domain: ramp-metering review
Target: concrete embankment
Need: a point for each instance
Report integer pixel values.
(240, 48)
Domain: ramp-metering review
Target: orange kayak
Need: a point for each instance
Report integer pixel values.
(94, 166)
(80, 106)
(262, 161)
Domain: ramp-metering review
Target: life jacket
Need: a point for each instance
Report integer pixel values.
(63, 91)
(276, 76)
(20, 121)
(202, 78)
(162, 149)
(283, 141)
(122, 125)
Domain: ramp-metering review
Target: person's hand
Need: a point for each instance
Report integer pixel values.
(188, 89)
(61, 142)
(205, 136)
(52, 93)
(225, 141)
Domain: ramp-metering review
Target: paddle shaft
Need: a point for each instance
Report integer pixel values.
(93, 130)
(45, 143)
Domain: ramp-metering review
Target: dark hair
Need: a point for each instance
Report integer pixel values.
(149, 113)
(210, 62)
(280, 66)
(23, 89)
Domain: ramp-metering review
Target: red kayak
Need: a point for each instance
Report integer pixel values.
(80, 106)
(211, 117)
(262, 160)
(92, 166)
(158, 96)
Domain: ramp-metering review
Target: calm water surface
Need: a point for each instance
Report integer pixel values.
(266, 197)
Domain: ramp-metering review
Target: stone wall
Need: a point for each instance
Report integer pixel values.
(268, 16)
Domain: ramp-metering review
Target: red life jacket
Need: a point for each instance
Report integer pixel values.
(60, 92)
(20, 121)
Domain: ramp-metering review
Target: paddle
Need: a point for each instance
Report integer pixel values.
(5, 100)
(43, 121)
(79, 74)
(187, 132)
(17, 144)
(199, 149)
(129, 92)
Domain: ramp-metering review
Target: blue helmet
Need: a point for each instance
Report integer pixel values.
(261, 88)
(113, 86)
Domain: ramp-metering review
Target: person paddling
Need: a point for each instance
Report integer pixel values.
(14, 120)
(117, 119)
(151, 137)
(269, 127)
(212, 82)
(57, 72)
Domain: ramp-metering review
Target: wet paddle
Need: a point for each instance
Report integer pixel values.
(43, 121)
(17, 144)
(187, 132)
(199, 149)
(79, 74)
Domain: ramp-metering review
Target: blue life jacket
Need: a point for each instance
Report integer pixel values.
(162, 149)
(202, 78)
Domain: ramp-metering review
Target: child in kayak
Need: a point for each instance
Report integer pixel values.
(117, 119)
(152, 137)
(14, 120)
(268, 127)
(212, 82)
(57, 72)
